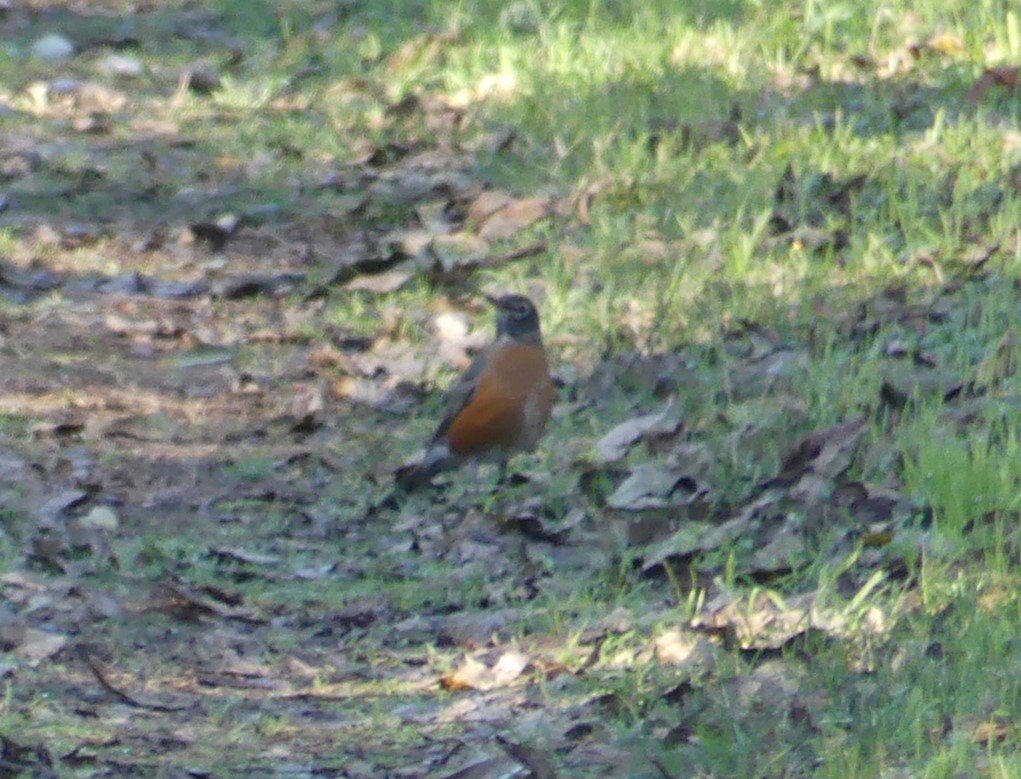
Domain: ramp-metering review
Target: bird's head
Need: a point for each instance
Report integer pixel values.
(516, 318)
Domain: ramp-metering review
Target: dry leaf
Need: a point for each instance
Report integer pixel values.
(1001, 364)
(485, 205)
(764, 620)
(392, 397)
(826, 452)
(475, 629)
(613, 446)
(189, 605)
(100, 518)
(683, 648)
(238, 555)
(785, 550)
(1002, 78)
(904, 382)
(502, 767)
(650, 486)
(690, 538)
(459, 250)
(452, 328)
(942, 43)
(772, 686)
(475, 675)
(992, 731)
(536, 761)
(418, 51)
(18, 759)
(514, 217)
(528, 520)
(381, 283)
(61, 501)
(33, 645)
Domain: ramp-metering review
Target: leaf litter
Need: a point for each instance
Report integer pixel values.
(788, 519)
(204, 409)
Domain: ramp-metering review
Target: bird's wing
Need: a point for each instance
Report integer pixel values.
(460, 395)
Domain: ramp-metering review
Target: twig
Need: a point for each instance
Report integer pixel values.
(518, 254)
(662, 770)
(122, 696)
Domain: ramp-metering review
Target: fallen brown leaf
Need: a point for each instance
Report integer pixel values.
(459, 250)
(999, 364)
(476, 675)
(500, 767)
(684, 648)
(381, 283)
(238, 555)
(420, 50)
(691, 538)
(32, 645)
(992, 731)
(613, 446)
(513, 218)
(942, 43)
(18, 759)
(485, 205)
(826, 452)
(534, 760)
(1001, 78)
(183, 603)
(652, 486)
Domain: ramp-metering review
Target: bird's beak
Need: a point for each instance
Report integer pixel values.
(493, 301)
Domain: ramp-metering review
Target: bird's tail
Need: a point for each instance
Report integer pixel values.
(411, 476)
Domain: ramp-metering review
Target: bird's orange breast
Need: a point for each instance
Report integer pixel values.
(509, 409)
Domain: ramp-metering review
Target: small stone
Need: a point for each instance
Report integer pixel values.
(53, 48)
(202, 79)
(100, 518)
(119, 65)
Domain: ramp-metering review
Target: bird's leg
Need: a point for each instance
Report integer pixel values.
(484, 495)
(492, 497)
(473, 473)
(502, 481)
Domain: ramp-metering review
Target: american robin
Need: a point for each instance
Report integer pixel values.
(501, 404)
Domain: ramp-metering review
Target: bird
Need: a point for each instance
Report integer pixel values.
(500, 406)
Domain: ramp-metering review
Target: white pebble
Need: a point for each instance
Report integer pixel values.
(53, 48)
